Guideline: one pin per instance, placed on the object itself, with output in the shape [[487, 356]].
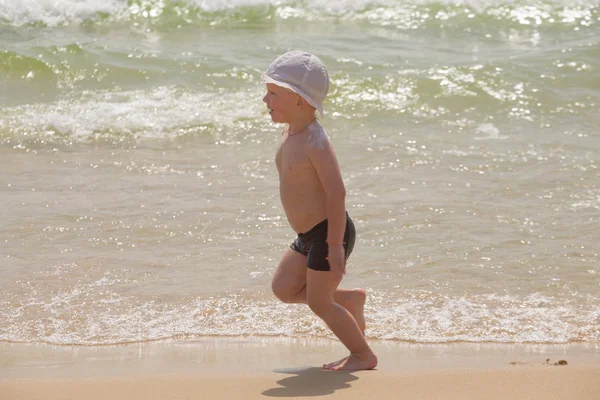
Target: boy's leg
[[289, 279], [289, 285], [320, 289]]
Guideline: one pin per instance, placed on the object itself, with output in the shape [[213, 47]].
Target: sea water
[[139, 196]]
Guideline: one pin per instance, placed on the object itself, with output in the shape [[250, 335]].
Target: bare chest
[[291, 158]]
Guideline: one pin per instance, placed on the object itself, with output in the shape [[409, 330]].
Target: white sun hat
[[302, 73]]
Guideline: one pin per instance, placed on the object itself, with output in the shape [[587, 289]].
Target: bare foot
[[354, 362], [354, 301], [330, 366]]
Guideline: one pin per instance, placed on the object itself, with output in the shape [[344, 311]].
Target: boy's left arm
[[326, 165]]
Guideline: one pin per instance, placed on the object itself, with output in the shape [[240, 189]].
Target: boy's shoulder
[[317, 136]]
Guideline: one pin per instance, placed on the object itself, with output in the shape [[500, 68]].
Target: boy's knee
[[281, 293]]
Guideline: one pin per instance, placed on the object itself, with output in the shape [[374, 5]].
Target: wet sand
[[258, 368]]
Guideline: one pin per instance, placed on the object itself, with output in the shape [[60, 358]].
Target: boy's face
[[282, 103]]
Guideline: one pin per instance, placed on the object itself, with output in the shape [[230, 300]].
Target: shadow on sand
[[310, 381]]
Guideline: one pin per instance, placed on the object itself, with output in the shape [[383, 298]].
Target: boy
[[313, 197]]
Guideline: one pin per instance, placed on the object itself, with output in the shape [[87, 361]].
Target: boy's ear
[[300, 102]]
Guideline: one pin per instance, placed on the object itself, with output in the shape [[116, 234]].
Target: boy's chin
[[276, 118]]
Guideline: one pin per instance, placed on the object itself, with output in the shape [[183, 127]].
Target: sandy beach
[[256, 368], [142, 221]]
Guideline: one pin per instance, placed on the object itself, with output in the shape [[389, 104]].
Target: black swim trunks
[[314, 246]]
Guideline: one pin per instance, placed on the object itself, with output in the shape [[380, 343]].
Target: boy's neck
[[300, 124]]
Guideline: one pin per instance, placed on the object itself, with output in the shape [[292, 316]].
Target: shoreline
[[265, 354], [255, 368]]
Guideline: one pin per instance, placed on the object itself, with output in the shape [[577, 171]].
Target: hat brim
[[267, 79]]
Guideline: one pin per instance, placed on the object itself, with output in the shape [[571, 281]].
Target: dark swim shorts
[[312, 244]]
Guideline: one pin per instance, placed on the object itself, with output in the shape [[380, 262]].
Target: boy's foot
[[353, 363], [354, 301], [334, 364]]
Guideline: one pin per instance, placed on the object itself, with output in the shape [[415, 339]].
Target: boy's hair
[[302, 73]]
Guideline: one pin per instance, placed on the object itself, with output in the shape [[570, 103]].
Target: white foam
[[56, 12], [87, 314], [159, 113], [488, 131], [60, 12]]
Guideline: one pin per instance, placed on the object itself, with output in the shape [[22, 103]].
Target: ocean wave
[[18, 66], [124, 117], [404, 15], [95, 306], [460, 98], [57, 12], [209, 101], [67, 318]]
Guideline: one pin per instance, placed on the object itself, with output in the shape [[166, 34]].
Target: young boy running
[[313, 196]]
